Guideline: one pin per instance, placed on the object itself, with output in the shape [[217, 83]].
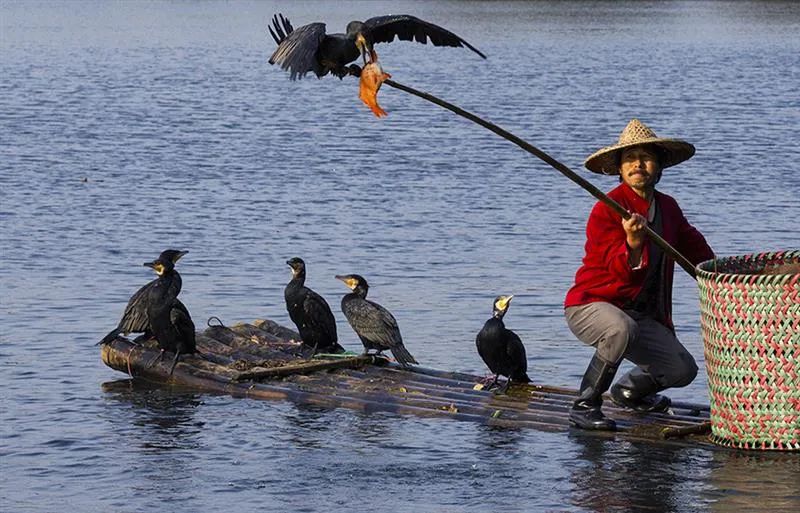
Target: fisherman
[[621, 301]]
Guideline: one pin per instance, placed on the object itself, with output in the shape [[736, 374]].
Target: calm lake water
[[130, 127]]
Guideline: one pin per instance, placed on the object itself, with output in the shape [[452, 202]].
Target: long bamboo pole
[[591, 189]]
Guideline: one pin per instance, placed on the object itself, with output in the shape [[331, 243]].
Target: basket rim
[[787, 253]]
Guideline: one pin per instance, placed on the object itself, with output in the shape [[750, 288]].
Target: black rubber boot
[[585, 412], [637, 390]]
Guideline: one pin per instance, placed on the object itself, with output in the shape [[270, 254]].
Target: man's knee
[[681, 374], [626, 331], [616, 339]]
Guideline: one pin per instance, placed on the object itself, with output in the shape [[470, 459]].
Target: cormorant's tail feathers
[[402, 355], [110, 337], [336, 349], [521, 379]]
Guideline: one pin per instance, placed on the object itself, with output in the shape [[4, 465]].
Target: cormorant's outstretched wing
[[283, 27], [134, 320], [297, 49], [383, 29]]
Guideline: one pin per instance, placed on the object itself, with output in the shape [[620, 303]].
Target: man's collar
[[639, 204]]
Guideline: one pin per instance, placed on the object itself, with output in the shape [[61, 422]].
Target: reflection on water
[[755, 482], [490, 439], [160, 423], [308, 426], [163, 415], [634, 477]]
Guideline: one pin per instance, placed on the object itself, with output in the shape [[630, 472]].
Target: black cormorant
[[309, 48], [168, 319], [501, 348], [134, 320], [310, 312], [373, 324]]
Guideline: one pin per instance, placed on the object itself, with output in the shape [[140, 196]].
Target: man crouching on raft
[[622, 298]]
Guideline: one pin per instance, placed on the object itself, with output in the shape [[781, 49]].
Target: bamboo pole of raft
[[512, 408], [469, 378], [521, 400], [564, 170], [469, 405]]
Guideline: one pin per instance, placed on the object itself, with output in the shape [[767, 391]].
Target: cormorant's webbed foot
[[503, 389], [493, 383]]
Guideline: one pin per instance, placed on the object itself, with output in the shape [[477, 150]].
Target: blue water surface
[[130, 127]]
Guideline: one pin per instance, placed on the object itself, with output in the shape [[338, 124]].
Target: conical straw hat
[[672, 151]]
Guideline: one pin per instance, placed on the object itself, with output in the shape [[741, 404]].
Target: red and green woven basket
[[750, 321]]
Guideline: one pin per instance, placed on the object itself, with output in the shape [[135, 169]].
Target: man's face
[[639, 167]]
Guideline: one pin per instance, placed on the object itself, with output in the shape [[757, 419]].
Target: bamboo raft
[[264, 361]]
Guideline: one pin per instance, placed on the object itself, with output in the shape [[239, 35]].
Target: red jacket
[[606, 275]]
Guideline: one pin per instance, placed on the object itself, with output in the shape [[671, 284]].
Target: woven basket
[[751, 329]]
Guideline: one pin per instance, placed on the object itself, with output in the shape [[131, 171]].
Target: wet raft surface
[[263, 361]]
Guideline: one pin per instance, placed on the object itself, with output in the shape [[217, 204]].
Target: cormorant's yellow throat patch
[[502, 303]]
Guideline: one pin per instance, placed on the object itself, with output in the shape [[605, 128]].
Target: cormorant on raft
[[501, 348], [168, 319], [373, 324], [134, 320], [309, 48], [310, 312]]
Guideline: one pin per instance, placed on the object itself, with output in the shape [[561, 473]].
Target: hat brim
[[672, 151]]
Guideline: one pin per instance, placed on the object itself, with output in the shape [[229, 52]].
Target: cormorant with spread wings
[[309, 48]]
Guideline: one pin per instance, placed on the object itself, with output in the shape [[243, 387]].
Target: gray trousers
[[618, 334]]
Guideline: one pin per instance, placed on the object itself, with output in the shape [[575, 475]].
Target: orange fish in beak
[[372, 76]]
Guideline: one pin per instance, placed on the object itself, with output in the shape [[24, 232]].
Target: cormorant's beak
[[151, 265], [350, 282], [178, 256], [361, 44], [503, 302]]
